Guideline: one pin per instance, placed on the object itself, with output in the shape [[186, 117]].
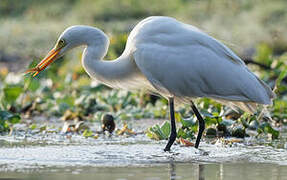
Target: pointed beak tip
[[36, 73], [52, 56]]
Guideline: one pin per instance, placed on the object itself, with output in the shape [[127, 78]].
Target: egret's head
[[72, 37]]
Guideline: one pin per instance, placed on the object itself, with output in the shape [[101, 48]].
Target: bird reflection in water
[[198, 173]]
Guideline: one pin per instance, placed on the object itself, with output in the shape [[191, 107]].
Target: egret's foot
[[170, 141], [166, 149]]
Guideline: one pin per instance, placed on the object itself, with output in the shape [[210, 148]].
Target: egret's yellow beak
[[51, 56]]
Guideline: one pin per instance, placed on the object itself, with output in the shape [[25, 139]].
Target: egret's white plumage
[[173, 59]]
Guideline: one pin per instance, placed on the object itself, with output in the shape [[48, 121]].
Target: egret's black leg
[[172, 135], [200, 122]]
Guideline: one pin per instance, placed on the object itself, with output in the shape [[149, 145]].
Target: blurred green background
[[255, 30], [29, 28]]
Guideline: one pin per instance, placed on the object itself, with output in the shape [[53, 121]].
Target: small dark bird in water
[[108, 123]]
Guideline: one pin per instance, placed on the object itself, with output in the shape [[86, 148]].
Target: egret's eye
[[61, 43]]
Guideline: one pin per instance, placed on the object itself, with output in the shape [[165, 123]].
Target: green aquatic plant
[[7, 120]]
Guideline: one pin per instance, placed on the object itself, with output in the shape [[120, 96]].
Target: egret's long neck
[[115, 73]]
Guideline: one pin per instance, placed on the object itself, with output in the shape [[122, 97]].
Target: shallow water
[[61, 156], [137, 157], [171, 170]]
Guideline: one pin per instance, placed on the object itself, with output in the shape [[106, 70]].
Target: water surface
[[70, 156]]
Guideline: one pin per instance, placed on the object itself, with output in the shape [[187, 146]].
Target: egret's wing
[[180, 60]]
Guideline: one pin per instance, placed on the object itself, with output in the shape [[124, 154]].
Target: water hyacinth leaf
[[244, 122], [138, 115], [14, 119], [69, 100], [215, 114], [33, 126], [12, 92], [151, 134], [4, 126], [188, 122], [157, 113], [194, 128], [165, 128], [159, 131], [7, 116], [87, 133], [155, 132], [180, 133], [65, 103], [267, 128], [218, 108], [177, 117], [210, 121], [184, 133], [31, 83], [282, 75], [124, 116]]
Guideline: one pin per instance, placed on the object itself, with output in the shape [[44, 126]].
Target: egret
[[175, 60]]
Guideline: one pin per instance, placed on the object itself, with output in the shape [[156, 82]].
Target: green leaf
[[14, 119], [6, 119], [180, 133], [156, 133], [159, 132], [267, 128], [177, 117], [184, 133], [7, 116], [69, 100], [4, 126], [151, 135], [31, 83], [210, 121], [281, 76], [165, 128], [33, 126], [87, 133], [12, 92], [188, 122], [124, 116]]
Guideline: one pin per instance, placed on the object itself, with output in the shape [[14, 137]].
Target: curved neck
[[118, 73]]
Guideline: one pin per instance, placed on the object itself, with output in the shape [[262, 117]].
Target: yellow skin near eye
[[61, 44]]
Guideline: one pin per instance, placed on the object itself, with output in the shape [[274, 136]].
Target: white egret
[[168, 57]]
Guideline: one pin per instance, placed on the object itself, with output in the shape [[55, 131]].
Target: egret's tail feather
[[270, 93], [249, 107]]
